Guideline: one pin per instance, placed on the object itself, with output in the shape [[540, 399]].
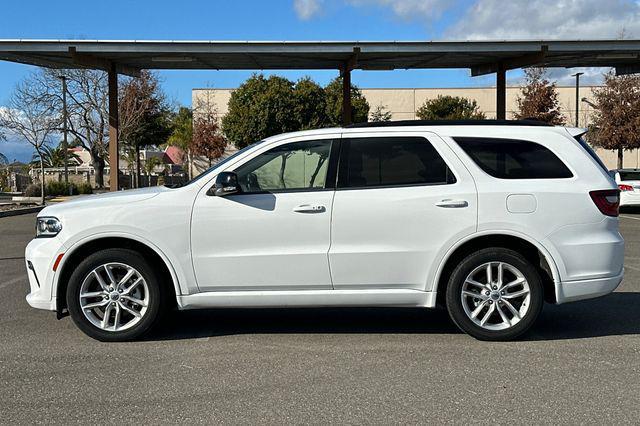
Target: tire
[[140, 293], [507, 308]]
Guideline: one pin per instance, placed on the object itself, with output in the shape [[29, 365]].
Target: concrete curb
[[17, 212]]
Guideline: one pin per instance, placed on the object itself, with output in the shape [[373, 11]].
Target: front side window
[[293, 166], [513, 158], [392, 161]]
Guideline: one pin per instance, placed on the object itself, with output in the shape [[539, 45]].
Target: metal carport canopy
[[481, 57]]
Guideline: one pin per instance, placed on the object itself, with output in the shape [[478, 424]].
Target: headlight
[[47, 227]]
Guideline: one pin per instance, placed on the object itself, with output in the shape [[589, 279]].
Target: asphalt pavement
[[580, 364]]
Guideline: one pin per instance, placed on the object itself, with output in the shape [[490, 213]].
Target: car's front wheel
[[495, 294], [114, 295]]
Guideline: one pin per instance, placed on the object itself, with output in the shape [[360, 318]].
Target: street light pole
[[65, 144], [577, 76]]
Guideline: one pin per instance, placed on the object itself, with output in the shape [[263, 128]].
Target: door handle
[[452, 204], [310, 208]]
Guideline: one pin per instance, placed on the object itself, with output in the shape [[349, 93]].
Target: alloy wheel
[[114, 297], [496, 296]]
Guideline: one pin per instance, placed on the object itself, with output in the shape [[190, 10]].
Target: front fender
[[177, 274]]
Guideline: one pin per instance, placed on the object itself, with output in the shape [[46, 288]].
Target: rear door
[[402, 199]]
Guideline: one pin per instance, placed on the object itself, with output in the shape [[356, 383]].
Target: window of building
[[513, 159], [293, 166], [392, 161]]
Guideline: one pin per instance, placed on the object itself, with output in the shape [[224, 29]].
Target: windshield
[[629, 175], [218, 164]]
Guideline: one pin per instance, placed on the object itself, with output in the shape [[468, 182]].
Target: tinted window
[[629, 175], [293, 166], [514, 159], [393, 161]]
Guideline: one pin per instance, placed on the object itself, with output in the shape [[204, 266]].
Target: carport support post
[[501, 93], [113, 128], [346, 96]]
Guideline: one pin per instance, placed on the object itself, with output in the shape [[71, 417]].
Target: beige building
[[403, 104]]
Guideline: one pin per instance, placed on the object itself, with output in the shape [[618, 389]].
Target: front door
[[402, 199], [275, 233]]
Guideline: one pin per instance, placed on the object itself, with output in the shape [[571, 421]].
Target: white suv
[[488, 218]]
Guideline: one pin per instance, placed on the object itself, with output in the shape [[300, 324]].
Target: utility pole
[[577, 76], [65, 143]]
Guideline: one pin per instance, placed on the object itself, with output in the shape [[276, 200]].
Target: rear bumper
[[571, 291], [629, 198]]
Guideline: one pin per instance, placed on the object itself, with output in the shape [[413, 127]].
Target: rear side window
[[513, 158], [391, 161]]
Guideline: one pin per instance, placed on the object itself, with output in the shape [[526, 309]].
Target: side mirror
[[226, 184]]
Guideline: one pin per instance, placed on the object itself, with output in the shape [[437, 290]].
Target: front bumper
[[40, 256], [571, 291]]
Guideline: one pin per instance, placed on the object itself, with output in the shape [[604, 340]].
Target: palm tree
[[182, 135], [54, 157], [150, 164]]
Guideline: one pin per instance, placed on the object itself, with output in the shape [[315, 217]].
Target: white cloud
[[564, 77], [307, 9], [427, 10], [547, 19]]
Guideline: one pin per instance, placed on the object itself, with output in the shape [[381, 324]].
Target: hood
[[108, 199]]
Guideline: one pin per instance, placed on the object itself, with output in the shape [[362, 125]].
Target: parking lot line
[[630, 217]]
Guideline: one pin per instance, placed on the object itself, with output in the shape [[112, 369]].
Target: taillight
[[607, 201], [625, 188]]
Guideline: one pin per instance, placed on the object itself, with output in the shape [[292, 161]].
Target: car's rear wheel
[[114, 295], [495, 294]]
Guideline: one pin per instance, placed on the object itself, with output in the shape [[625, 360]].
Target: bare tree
[[31, 119], [616, 118], [208, 140], [539, 98], [143, 115], [87, 106]]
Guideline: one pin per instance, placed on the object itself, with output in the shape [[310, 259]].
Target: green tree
[[359, 105], [259, 108], [539, 99], [450, 108], [182, 134], [380, 114], [309, 104], [616, 118], [149, 166]]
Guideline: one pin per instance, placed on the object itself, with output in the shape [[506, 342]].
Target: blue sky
[[218, 20], [309, 20]]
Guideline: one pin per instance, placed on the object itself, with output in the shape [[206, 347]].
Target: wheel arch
[[83, 248], [524, 245]]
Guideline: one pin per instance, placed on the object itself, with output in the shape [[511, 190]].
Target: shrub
[[85, 188], [32, 190], [54, 188]]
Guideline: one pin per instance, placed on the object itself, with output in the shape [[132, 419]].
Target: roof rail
[[448, 123]]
